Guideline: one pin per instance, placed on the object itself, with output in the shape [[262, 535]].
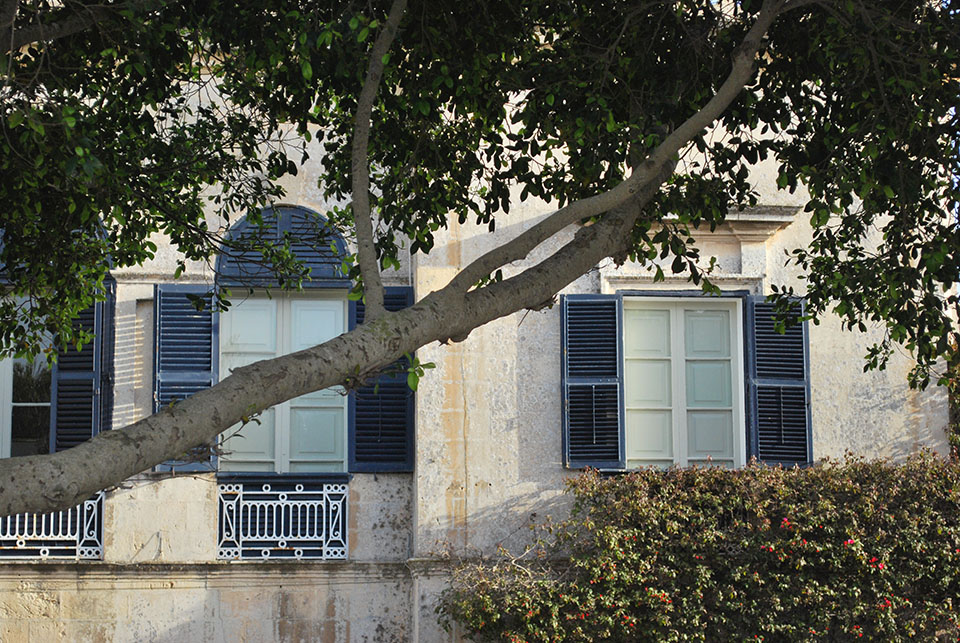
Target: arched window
[[308, 433], [305, 234], [327, 431]]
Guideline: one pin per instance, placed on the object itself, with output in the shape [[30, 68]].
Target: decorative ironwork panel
[[282, 520], [72, 534]]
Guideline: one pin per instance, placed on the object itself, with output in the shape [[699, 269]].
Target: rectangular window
[[305, 434], [683, 382], [24, 407], [44, 409]]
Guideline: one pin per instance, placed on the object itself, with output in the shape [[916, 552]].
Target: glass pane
[[30, 430], [708, 384], [726, 464], [31, 382], [315, 467], [315, 322], [710, 433], [250, 326], [647, 383], [649, 434], [252, 443], [647, 333], [240, 465], [316, 434], [707, 333]]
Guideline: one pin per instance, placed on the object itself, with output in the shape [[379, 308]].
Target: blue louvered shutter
[[318, 247], [382, 412], [778, 389], [186, 350], [592, 381], [80, 389]]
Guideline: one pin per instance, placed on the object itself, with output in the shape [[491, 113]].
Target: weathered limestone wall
[[488, 460], [873, 414], [489, 429], [235, 603]]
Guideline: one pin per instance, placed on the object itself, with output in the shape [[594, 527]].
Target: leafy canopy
[[157, 116]]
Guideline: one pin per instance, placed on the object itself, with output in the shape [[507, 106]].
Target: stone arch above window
[[310, 238]]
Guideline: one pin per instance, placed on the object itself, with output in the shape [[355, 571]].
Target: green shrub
[[840, 551]]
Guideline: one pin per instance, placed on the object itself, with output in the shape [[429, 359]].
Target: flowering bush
[[840, 551]]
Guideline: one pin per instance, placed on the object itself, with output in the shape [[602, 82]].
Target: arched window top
[[311, 240]]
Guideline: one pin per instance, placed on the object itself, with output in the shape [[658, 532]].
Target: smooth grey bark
[[85, 17], [360, 166], [50, 482]]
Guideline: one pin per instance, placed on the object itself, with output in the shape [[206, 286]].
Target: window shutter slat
[[79, 394], [318, 248], [186, 352], [592, 381], [382, 412], [778, 389]]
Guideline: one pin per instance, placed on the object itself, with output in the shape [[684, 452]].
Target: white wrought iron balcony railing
[[71, 534], [282, 518]]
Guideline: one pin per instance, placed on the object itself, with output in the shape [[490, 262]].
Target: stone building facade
[[489, 453]]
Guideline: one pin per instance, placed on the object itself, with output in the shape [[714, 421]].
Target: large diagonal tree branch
[[360, 165], [48, 482], [524, 243], [39, 32], [83, 18]]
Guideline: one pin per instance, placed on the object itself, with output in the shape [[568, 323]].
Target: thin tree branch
[[85, 17], [519, 247], [8, 16], [8, 13], [46, 32], [360, 166]]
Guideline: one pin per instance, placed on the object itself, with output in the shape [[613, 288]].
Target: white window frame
[[678, 374], [283, 341], [6, 406]]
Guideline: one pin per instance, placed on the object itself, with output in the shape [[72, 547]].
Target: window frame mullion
[[678, 364]]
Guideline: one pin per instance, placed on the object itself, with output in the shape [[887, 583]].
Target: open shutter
[[381, 413], [778, 389], [107, 339], [80, 394], [186, 351], [592, 381]]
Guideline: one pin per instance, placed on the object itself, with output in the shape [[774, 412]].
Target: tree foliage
[[156, 114], [122, 121]]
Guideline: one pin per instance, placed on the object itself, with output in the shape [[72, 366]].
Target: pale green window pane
[[659, 464], [647, 333], [708, 384], [230, 362], [250, 326], [726, 464], [647, 383], [649, 434], [316, 434], [333, 396], [316, 467], [710, 433], [252, 443], [240, 465], [314, 322], [707, 333]]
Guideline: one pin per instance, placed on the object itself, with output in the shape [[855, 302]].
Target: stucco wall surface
[[488, 457], [489, 417], [227, 603]]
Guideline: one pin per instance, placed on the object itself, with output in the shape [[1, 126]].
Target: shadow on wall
[[879, 417], [510, 525]]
